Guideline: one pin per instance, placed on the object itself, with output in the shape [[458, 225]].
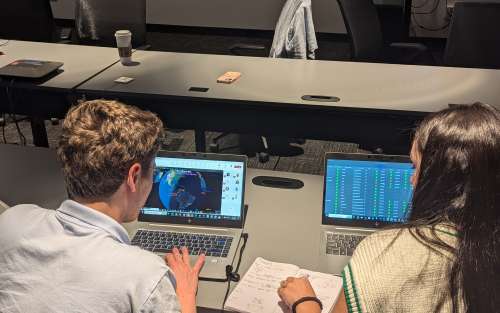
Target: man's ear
[[134, 173]]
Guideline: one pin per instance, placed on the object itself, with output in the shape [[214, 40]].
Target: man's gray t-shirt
[[76, 259]]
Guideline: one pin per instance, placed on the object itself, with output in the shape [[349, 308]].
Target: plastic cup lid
[[123, 33]]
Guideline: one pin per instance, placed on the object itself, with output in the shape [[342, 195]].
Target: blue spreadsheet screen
[[368, 190]]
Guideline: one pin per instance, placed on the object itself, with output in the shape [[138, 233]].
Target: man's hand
[[186, 277], [293, 289]]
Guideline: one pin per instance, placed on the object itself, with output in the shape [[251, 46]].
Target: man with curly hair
[[78, 258]]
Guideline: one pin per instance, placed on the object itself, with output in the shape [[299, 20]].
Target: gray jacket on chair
[[294, 36]]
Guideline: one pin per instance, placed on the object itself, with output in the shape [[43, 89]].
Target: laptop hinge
[[195, 228], [355, 229]]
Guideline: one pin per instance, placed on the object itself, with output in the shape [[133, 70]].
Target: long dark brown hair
[[459, 184]]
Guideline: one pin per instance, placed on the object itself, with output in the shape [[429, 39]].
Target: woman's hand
[[186, 277], [293, 289]]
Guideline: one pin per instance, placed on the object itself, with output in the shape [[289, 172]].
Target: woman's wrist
[[308, 304], [308, 307]]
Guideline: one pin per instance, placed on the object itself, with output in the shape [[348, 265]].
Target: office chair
[[29, 20], [367, 44], [474, 38], [260, 145], [247, 144], [97, 21]]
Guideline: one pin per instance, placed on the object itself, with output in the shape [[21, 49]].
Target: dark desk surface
[[283, 81]]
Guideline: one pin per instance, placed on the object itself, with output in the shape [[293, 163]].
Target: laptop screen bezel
[[198, 221], [357, 157]]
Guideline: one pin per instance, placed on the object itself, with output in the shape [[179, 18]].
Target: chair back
[[27, 20], [363, 26], [474, 37], [3, 206], [98, 20]]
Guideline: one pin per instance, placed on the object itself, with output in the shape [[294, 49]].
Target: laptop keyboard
[[164, 241], [342, 244]]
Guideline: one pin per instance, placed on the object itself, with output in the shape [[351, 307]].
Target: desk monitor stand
[[277, 182]]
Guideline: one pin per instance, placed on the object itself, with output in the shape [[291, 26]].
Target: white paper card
[[123, 80]]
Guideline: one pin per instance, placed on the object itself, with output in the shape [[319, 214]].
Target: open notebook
[[257, 291]]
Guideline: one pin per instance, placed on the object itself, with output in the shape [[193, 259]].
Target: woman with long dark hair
[[447, 257]]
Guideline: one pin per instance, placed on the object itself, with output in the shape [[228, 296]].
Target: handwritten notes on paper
[[257, 291]]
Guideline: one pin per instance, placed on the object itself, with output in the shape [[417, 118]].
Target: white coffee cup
[[124, 44]]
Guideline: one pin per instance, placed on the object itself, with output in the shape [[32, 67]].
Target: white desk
[[80, 62], [283, 226], [379, 103], [360, 86], [50, 97]]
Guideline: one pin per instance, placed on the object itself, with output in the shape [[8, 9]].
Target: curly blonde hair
[[100, 141]]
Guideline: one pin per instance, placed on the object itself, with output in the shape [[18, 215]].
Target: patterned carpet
[[311, 162]]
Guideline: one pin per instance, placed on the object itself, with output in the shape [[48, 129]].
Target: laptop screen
[[196, 190], [377, 190]]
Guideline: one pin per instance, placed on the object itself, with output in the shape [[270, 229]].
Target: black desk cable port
[[319, 98], [277, 182], [198, 89]]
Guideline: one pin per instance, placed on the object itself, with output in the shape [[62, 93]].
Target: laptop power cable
[[234, 276], [230, 274], [11, 102]]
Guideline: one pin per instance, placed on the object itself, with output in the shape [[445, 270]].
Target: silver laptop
[[361, 193], [197, 201]]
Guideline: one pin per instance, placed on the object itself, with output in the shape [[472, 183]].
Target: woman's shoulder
[[410, 262], [439, 239]]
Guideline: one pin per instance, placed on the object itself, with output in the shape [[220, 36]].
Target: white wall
[[247, 14], [244, 14]]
